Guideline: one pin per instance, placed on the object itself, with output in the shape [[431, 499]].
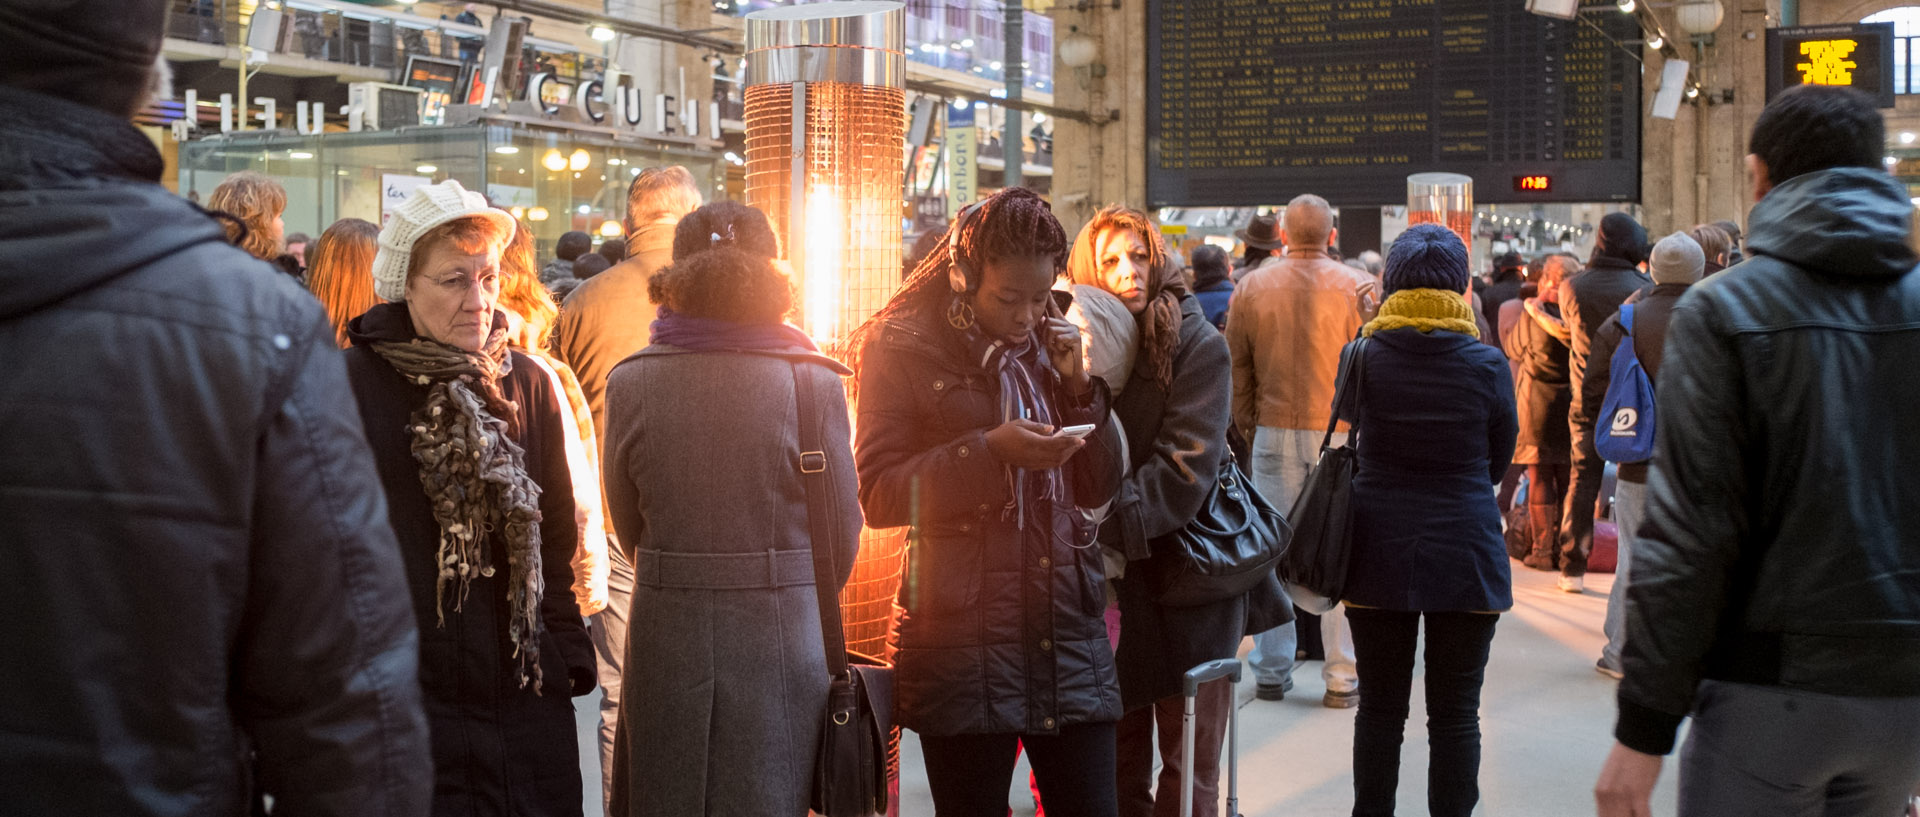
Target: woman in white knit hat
[[471, 449]]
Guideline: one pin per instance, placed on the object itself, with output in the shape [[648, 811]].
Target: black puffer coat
[[1001, 630], [1177, 439], [197, 556], [498, 749]]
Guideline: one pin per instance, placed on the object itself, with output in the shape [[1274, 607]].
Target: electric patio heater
[[1445, 199], [826, 159]]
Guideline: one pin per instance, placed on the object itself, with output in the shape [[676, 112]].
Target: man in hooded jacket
[[1776, 581], [204, 603], [1588, 299]]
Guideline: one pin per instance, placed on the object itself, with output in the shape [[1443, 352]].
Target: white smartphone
[[1075, 431]]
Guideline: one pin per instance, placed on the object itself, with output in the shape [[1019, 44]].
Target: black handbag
[[1229, 548], [1323, 514], [850, 771]]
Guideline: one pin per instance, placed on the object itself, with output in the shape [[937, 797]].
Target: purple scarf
[[710, 335]]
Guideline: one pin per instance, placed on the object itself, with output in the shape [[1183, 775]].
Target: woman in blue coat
[[1435, 415]]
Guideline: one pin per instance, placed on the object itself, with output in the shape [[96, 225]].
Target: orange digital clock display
[[1532, 184]]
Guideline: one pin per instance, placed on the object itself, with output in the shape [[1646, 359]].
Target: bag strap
[[1626, 318], [821, 520], [1353, 361]]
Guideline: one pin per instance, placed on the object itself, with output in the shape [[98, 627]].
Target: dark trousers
[[1546, 490], [1509, 485], [1138, 796], [970, 774], [1583, 501], [1456, 659]]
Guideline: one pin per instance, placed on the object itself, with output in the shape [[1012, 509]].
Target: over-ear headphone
[[960, 276]]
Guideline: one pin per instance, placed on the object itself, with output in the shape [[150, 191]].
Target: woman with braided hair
[[970, 384], [471, 448]]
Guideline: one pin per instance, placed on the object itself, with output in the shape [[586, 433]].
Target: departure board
[[1252, 102]]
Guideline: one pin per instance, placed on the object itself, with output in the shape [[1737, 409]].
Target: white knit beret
[[427, 207]]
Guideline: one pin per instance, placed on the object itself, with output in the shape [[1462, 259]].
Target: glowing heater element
[[826, 160]]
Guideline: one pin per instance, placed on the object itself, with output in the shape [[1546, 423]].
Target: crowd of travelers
[[345, 525]]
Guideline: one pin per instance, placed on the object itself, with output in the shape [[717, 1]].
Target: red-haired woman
[[970, 384]]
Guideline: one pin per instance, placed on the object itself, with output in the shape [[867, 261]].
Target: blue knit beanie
[[1426, 256]]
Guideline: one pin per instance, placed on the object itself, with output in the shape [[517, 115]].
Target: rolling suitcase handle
[[1190, 689]]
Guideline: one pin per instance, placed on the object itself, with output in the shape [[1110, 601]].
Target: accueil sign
[[627, 107], [590, 103]]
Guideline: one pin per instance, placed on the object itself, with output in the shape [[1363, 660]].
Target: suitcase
[[1190, 690]]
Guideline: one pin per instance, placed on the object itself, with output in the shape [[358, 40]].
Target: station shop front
[[555, 178]]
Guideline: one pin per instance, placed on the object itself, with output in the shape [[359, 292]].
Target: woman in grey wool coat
[[722, 714]]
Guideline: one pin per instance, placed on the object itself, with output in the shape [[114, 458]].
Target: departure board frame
[[1251, 102]]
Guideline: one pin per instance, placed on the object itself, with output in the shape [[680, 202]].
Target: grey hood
[[1848, 221], [78, 203]]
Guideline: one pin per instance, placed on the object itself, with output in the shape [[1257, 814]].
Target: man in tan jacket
[[1289, 319]]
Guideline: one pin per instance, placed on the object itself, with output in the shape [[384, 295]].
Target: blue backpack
[[1626, 415]]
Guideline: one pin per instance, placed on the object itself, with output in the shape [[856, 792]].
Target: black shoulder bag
[[850, 771], [1230, 547], [1323, 514]]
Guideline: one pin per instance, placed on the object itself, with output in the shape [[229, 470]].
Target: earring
[[960, 314]]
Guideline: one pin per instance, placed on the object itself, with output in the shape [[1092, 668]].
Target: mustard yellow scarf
[[1425, 310]]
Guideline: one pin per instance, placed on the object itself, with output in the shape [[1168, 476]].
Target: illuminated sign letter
[[585, 96], [1827, 62], [537, 92]]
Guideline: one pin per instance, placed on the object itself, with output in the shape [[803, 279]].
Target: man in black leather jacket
[[1776, 586], [202, 602]]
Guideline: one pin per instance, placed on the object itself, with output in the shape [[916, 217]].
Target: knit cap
[[427, 207], [1677, 259], [1426, 256]]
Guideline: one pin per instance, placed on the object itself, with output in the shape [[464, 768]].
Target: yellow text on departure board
[[1827, 62]]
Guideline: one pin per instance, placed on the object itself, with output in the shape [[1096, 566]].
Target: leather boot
[[1545, 522]]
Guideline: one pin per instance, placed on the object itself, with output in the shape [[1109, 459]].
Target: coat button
[[966, 528], [1046, 643], [963, 451], [939, 384], [1045, 562], [1048, 723]]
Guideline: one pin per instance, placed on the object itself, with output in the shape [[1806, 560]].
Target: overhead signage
[[1853, 55], [963, 159], [437, 79], [1253, 103]]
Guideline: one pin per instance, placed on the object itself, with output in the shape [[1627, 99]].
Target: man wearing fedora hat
[[1290, 316], [1262, 237]]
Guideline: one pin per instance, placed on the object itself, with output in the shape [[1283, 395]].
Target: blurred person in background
[[1587, 300], [589, 265], [1539, 344], [1174, 411], [1508, 275], [572, 245], [1734, 250], [205, 605], [531, 314], [471, 446], [1715, 245], [722, 715], [602, 321], [341, 275], [1263, 241], [255, 204], [1435, 417], [1675, 263], [1212, 283], [613, 249], [297, 248]]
